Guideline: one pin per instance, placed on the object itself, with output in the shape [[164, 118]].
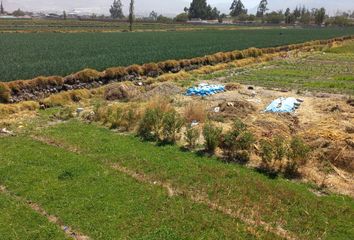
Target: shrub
[[86, 75], [237, 142], [5, 93], [192, 136], [65, 114], [115, 73], [212, 137], [65, 98], [135, 70], [150, 125], [121, 91], [124, 117], [169, 65], [171, 126], [195, 111], [280, 148], [151, 69], [297, 156], [266, 153]]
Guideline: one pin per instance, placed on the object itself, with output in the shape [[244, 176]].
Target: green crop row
[[25, 56], [38, 84]]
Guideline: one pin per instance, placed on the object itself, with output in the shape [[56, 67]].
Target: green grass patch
[[62, 54], [276, 201], [103, 203], [18, 221]]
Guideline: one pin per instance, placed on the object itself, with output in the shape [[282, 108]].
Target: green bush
[[297, 156], [150, 125], [266, 153], [212, 137], [172, 124], [237, 142], [191, 136]]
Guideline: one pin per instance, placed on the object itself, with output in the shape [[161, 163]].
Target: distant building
[[52, 16]]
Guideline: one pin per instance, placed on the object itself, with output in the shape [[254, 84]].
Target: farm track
[[69, 231], [199, 198]]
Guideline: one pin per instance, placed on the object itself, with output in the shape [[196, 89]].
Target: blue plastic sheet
[[283, 105], [205, 90]]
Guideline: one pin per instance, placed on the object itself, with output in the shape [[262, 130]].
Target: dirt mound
[[235, 109], [163, 89], [121, 91]]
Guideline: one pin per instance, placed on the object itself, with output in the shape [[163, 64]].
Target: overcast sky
[[167, 7]]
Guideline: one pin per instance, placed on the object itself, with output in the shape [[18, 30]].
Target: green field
[[89, 195], [24, 56], [330, 71]]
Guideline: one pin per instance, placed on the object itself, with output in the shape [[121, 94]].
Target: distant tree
[[274, 17], [153, 16], [305, 16], [163, 19], [64, 15], [198, 9], [116, 10], [262, 8], [287, 15], [186, 10], [297, 13], [18, 13], [214, 14], [131, 15], [2, 10], [237, 8], [182, 17], [320, 16]]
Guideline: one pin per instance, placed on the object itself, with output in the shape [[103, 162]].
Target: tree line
[[200, 9]]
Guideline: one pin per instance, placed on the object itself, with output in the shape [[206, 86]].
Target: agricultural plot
[[330, 71], [24, 56]]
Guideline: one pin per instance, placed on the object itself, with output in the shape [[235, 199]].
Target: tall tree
[[116, 10], [2, 11], [198, 9], [237, 8], [64, 15], [262, 8], [153, 16], [287, 15], [320, 15], [131, 15]]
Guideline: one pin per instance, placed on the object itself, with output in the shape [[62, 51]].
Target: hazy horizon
[[143, 7]]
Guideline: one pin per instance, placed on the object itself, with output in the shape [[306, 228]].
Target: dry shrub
[[185, 63], [122, 116], [7, 109], [168, 65], [232, 86], [195, 111], [252, 52], [182, 75], [5, 93], [197, 61], [86, 75], [115, 73], [65, 98], [121, 91], [151, 69], [211, 69], [135, 70]]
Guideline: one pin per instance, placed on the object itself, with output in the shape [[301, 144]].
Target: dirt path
[[69, 231]]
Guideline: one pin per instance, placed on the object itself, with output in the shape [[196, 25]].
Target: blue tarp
[[283, 105], [205, 89]]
